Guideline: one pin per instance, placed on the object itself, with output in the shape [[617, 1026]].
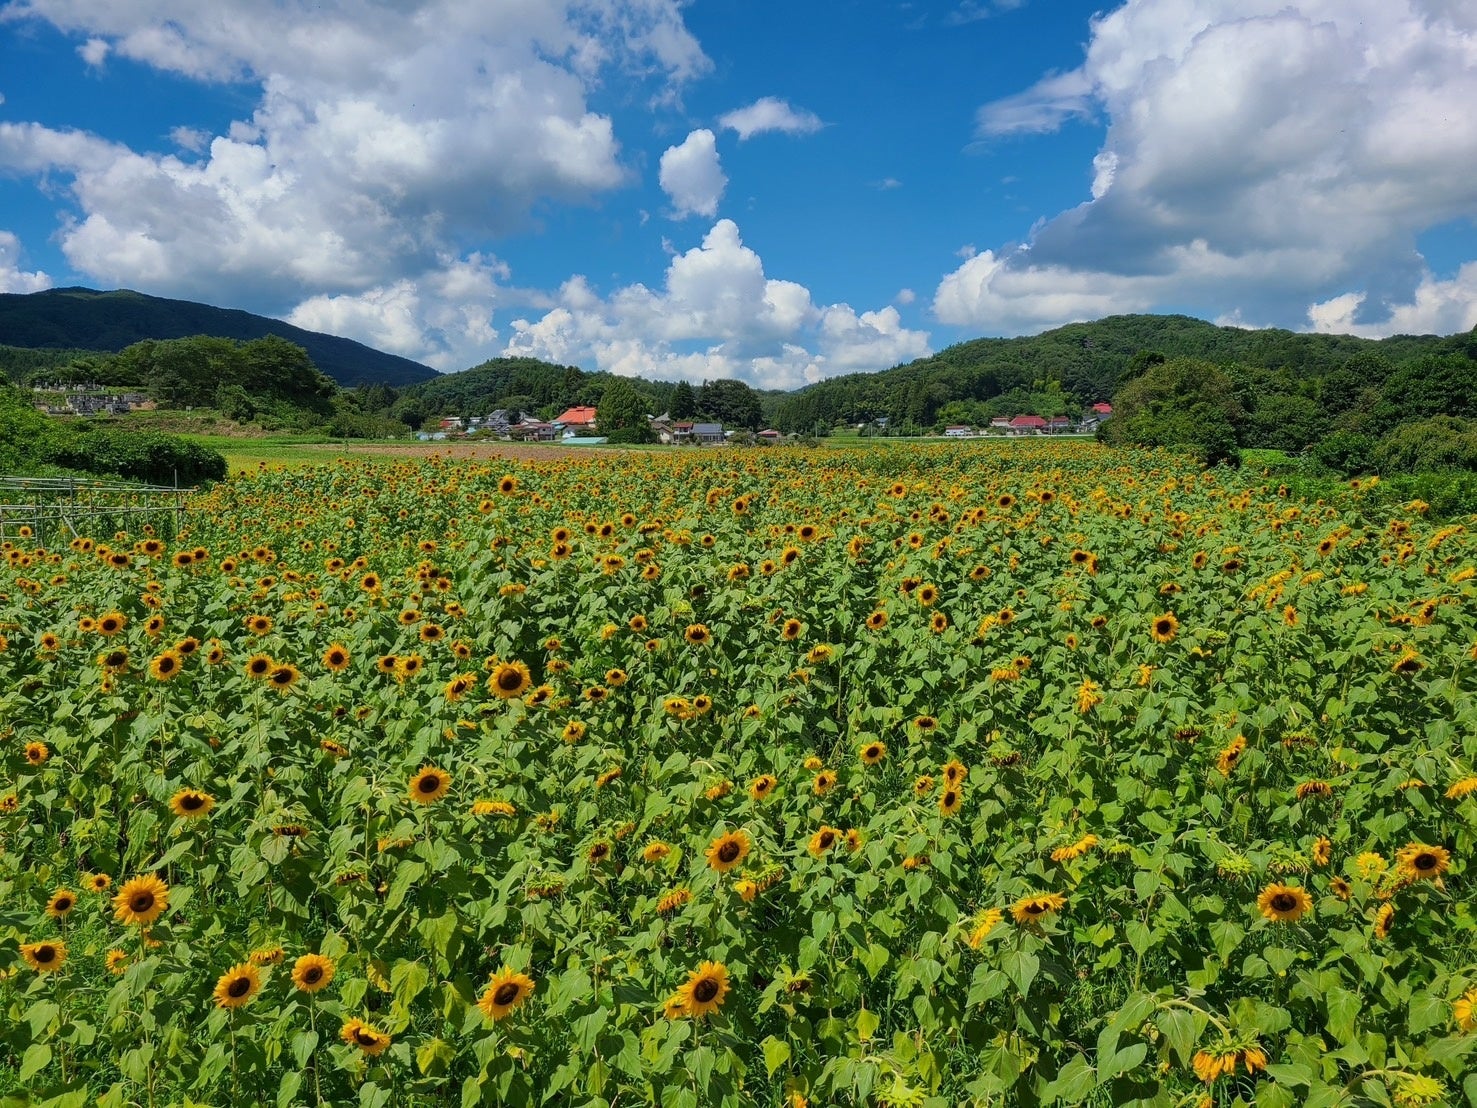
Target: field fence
[[48, 511]]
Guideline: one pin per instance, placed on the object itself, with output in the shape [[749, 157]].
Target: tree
[[621, 415], [731, 403], [684, 402], [1182, 403]]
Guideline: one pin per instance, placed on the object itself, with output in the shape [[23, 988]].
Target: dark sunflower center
[[872, 752], [506, 993], [1426, 861], [1162, 626], [705, 990], [365, 1038], [1035, 908], [46, 953], [191, 802], [826, 839], [141, 902], [166, 664], [728, 852], [63, 903], [1284, 902], [312, 975], [950, 798], [239, 988], [429, 783], [509, 680]]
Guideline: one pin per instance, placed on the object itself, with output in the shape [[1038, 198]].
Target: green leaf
[[434, 1055], [873, 959], [303, 1045], [776, 1054], [1074, 1082], [1021, 967], [288, 1088], [867, 1022], [1343, 1008], [37, 1058], [1181, 1029], [1426, 1012]]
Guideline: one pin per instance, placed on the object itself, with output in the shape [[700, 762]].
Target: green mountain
[[1082, 363], [85, 319]]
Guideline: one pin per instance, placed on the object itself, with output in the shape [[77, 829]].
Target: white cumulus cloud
[[769, 113], [717, 315], [692, 176], [1261, 156], [12, 277], [385, 139]]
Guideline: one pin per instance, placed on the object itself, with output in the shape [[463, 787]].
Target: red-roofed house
[[1027, 425], [579, 420], [1102, 408]]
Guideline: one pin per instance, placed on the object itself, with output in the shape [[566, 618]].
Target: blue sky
[[779, 192]]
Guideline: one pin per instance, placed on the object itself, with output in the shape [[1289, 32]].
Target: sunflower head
[[505, 991], [429, 785], [728, 850], [705, 989], [1283, 903], [312, 973], [141, 900], [238, 986]]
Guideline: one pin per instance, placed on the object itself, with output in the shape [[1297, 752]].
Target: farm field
[[933, 775]]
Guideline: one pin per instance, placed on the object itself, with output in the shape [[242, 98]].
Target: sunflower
[[705, 989], [110, 623], [1314, 789], [509, 680], [1419, 862], [982, 925], [1322, 850], [507, 485], [99, 882], [312, 973], [573, 731], [238, 986], [141, 900], [191, 804], [728, 850], [698, 634], [1465, 787], [790, 629], [45, 957], [370, 1040], [116, 961], [259, 665], [1165, 627], [655, 851], [938, 623], [950, 801], [37, 753], [61, 903], [283, 676], [873, 753], [336, 658], [1384, 921], [429, 785], [258, 625], [506, 990], [1464, 1010], [762, 785], [824, 782], [877, 620], [955, 772], [823, 840], [1033, 909], [1283, 903]]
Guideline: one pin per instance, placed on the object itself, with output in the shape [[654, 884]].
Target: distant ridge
[[86, 319]]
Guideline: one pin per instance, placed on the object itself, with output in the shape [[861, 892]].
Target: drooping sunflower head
[[1034, 909], [191, 804]]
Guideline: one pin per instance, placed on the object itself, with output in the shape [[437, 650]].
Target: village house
[[1027, 425], [577, 421], [958, 431]]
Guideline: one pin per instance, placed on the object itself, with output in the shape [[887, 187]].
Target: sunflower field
[[970, 774]]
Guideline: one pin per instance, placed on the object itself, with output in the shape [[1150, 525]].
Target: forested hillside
[[1063, 369], [85, 319]]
